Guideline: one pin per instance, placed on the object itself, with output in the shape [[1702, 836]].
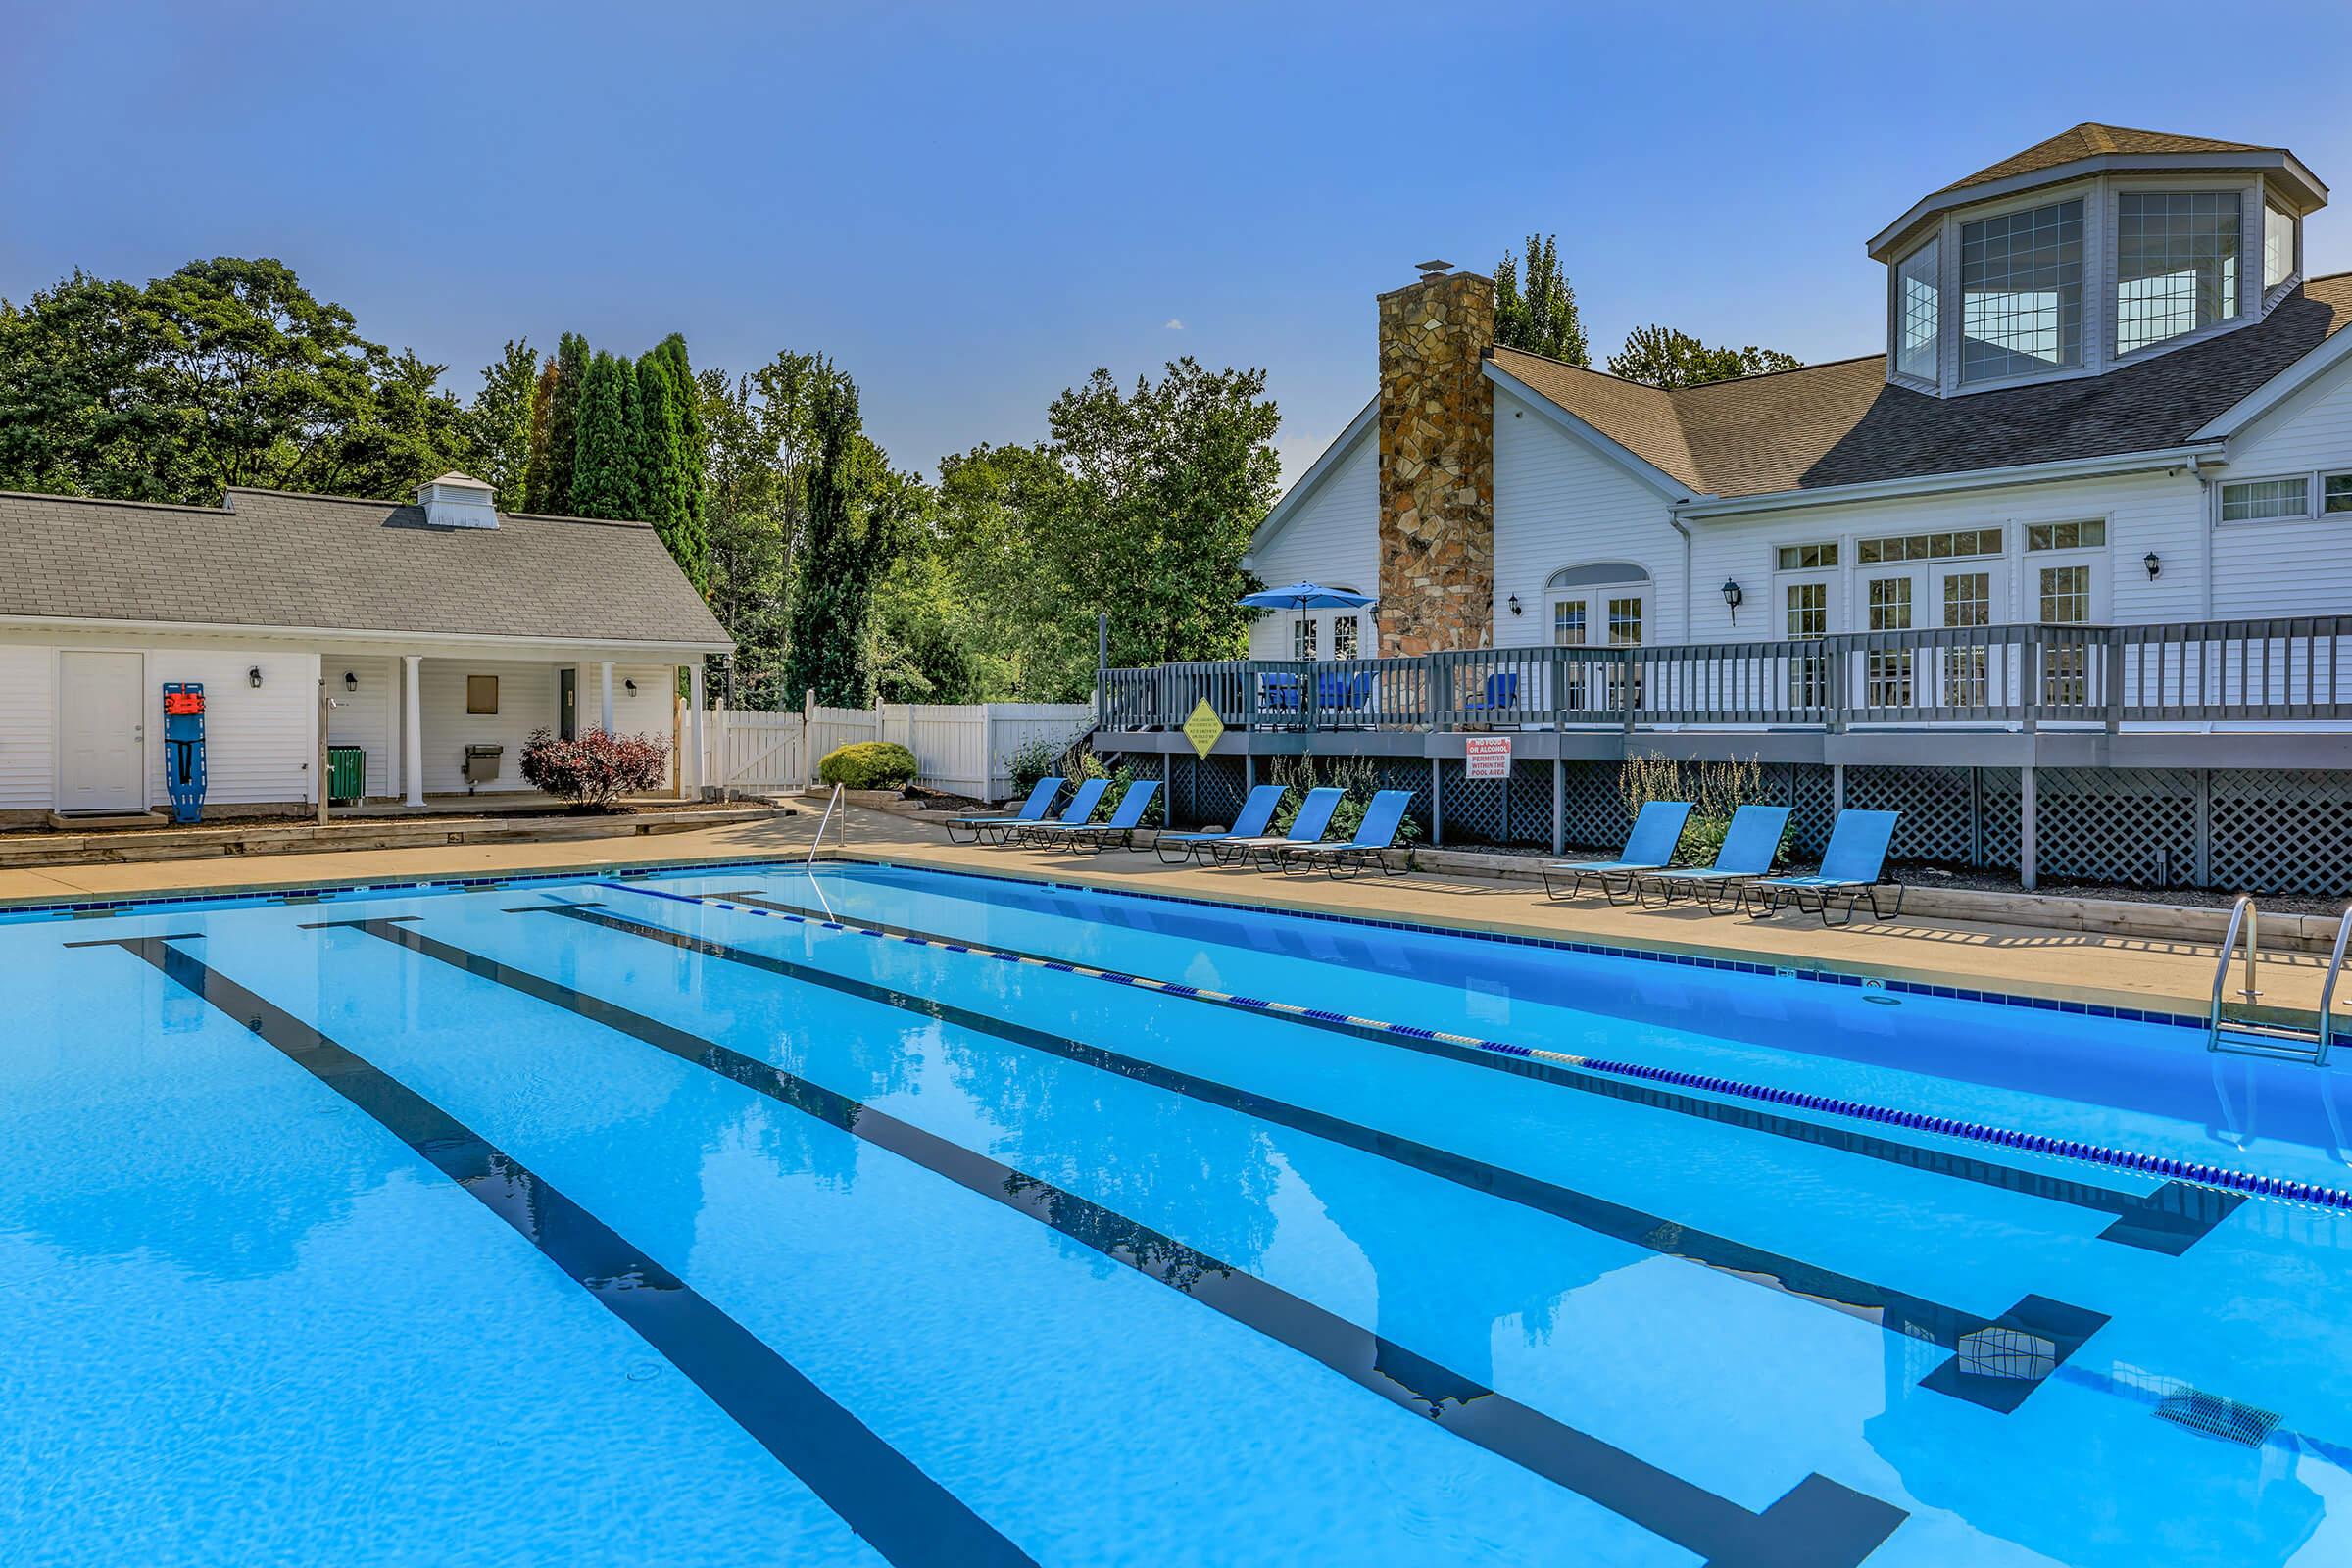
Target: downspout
[[2206, 521], [1673, 516]]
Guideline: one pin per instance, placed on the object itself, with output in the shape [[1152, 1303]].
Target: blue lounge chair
[[1256, 811], [1314, 815], [1502, 691], [1852, 868], [1650, 846], [1749, 847], [1079, 813], [1377, 832], [1033, 809], [1096, 836]]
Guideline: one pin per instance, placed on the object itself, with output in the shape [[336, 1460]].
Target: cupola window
[[2021, 293], [1918, 296], [2175, 264], [2278, 246]]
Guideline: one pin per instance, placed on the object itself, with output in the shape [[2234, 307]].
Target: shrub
[[1715, 790], [595, 769], [1354, 774], [1154, 815], [1038, 758], [869, 765]]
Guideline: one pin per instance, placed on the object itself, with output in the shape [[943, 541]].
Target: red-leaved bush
[[596, 770]]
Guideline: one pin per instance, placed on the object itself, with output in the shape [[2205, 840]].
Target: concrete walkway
[[2118, 970]]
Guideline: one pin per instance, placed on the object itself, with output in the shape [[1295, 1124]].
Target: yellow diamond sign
[[1204, 727]]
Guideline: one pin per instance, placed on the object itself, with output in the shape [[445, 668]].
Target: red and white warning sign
[[1486, 757]]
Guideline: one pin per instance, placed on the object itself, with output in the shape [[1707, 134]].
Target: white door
[[102, 732]]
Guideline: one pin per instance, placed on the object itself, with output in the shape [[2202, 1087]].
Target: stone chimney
[[1437, 464]]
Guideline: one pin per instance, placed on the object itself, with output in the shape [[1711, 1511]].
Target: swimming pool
[[885, 1215]]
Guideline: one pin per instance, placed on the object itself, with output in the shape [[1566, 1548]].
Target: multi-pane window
[[2264, 500], [1807, 605], [1625, 622], [1966, 602], [2088, 534], [2335, 493], [2175, 264], [1346, 637], [1568, 623], [2064, 602], [1889, 670], [1302, 638], [2278, 246], [1918, 298], [2021, 293], [1808, 558], [1929, 546]]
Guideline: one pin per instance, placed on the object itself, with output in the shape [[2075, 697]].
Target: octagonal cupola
[[2094, 249]]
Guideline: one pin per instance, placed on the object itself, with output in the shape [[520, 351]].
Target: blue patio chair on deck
[[1278, 692], [1650, 846], [1749, 844], [1033, 809], [1080, 812], [1256, 811], [1314, 815], [1852, 868], [1096, 836], [1377, 832], [1502, 691]]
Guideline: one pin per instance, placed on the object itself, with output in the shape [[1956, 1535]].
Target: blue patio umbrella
[[1305, 596]]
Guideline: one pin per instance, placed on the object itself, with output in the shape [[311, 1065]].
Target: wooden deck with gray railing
[[2291, 671]]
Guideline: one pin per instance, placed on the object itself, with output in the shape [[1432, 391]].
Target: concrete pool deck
[[2144, 972]]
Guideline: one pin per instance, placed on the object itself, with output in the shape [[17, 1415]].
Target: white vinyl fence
[[962, 748]]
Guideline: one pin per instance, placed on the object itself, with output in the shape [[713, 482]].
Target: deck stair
[[2252, 1035]]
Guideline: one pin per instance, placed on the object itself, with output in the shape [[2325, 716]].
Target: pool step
[[2268, 1037]]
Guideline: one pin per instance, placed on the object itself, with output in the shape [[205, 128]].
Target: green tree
[[605, 465], [1542, 318], [541, 456], [671, 453], [549, 490], [1165, 486], [1660, 355], [411, 431], [1033, 638], [83, 411], [858, 512], [501, 419]]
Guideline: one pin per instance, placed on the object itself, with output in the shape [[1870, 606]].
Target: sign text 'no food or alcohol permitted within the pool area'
[[1486, 757]]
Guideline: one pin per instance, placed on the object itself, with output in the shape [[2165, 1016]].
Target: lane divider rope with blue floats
[[2218, 1177]]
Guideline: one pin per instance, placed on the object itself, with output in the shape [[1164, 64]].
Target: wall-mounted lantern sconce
[[2155, 564], [351, 682], [1733, 595], [1515, 604], [253, 678], [630, 684]]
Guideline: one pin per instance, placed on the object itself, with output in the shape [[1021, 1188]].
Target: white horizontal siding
[[1334, 539], [257, 740], [27, 728], [526, 701], [2290, 569], [368, 717], [1558, 503]]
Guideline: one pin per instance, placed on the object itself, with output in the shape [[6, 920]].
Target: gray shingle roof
[[268, 558], [1842, 423]]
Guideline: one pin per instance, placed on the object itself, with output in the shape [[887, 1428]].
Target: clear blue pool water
[[648, 1220]]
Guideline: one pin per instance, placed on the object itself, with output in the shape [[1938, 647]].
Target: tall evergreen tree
[[671, 456], [540, 466], [501, 417], [855, 506], [554, 495], [606, 463], [1542, 318]]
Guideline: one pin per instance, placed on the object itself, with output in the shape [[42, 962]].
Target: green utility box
[[346, 774]]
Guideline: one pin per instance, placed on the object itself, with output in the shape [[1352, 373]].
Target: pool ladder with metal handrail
[[822, 824], [2261, 1036]]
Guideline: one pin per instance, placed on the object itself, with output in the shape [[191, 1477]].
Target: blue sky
[[971, 206]]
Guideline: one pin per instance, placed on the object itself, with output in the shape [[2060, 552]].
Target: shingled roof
[[1842, 423], [2090, 139], [272, 559]]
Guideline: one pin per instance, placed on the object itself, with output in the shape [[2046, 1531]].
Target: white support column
[[412, 729], [604, 705], [694, 721]]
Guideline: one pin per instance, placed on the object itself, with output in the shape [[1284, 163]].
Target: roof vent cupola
[[458, 501]]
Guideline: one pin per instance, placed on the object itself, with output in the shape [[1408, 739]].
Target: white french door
[[1599, 618], [1964, 595]]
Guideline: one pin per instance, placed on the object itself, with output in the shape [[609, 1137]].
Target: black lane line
[[907, 1516], [2170, 1219], [2043, 1332], [1819, 1521]]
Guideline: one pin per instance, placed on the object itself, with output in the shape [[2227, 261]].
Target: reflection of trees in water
[[1158, 1157], [1106, 1230]]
